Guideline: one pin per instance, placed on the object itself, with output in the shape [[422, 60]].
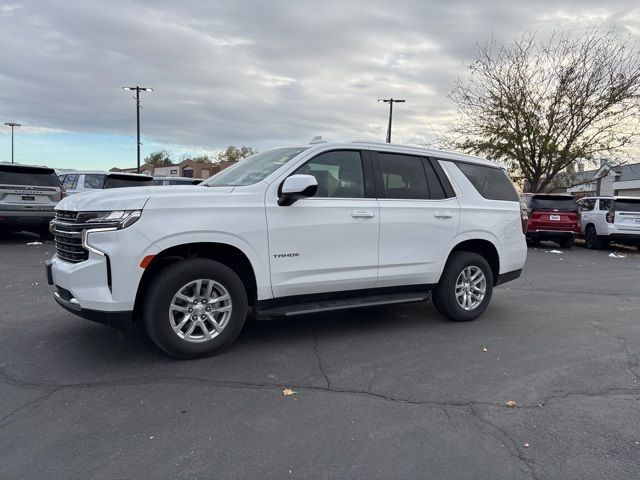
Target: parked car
[[551, 217], [176, 181], [610, 219], [28, 195], [77, 182], [287, 232]]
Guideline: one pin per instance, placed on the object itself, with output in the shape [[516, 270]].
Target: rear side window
[[36, 177], [403, 176], [626, 205], [553, 202], [605, 205], [93, 181], [492, 183], [587, 205], [119, 181]]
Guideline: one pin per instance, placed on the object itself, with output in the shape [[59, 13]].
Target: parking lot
[[392, 392]]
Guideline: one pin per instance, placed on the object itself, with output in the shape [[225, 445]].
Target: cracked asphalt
[[391, 392]]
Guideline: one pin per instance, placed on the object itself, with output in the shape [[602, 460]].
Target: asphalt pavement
[[390, 392]]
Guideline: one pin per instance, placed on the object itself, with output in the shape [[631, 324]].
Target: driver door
[[328, 242]]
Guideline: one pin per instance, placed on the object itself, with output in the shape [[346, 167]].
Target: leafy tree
[[158, 159], [540, 106], [233, 154]]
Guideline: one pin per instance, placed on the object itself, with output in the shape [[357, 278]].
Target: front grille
[[68, 237]]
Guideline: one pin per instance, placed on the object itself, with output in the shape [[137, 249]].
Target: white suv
[[610, 219], [287, 232]]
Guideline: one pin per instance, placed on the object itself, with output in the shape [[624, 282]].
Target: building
[[186, 168], [609, 179]]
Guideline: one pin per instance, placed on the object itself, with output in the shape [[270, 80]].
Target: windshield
[[253, 169]]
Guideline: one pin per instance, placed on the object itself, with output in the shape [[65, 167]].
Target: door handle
[[442, 215], [362, 214]]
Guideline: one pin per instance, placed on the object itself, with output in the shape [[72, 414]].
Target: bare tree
[[233, 154], [542, 105]]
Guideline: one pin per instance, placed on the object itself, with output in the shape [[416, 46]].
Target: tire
[[181, 278], [444, 295], [591, 239], [566, 243]]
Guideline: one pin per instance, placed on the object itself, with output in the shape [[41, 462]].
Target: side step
[[343, 304]]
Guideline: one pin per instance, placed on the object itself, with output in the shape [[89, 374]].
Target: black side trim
[[120, 320], [342, 295], [47, 266], [442, 177], [508, 276]]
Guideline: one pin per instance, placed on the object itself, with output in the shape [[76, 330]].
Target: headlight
[[116, 218]]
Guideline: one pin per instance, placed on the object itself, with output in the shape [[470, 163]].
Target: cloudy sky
[[261, 73]]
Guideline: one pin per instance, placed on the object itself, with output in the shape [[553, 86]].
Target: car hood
[[129, 198]]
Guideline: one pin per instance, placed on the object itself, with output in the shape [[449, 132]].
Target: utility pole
[[138, 89], [390, 101], [12, 125]]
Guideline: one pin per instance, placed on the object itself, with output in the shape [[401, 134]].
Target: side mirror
[[296, 187]]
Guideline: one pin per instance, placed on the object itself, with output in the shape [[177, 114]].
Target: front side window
[[403, 176], [70, 181], [93, 181], [254, 168], [586, 205], [339, 174]]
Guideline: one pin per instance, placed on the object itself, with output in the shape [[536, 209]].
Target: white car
[[610, 219], [286, 232], [78, 182]]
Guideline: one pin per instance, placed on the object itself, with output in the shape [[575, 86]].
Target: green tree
[[540, 106], [233, 154], [158, 159]]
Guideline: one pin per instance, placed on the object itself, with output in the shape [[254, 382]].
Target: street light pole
[[390, 101], [12, 125], [137, 98]]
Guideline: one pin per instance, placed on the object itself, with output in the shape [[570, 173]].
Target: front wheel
[[465, 289], [195, 308]]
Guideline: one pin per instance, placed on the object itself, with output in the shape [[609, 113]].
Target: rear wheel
[[566, 242], [465, 289], [195, 308], [591, 239]]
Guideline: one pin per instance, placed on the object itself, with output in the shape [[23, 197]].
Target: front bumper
[[64, 298]]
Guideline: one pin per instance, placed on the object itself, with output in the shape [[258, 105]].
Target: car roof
[[22, 165], [175, 178]]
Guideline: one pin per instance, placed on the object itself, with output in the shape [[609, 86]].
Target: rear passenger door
[[419, 217]]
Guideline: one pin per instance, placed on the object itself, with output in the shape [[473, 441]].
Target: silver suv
[[28, 195]]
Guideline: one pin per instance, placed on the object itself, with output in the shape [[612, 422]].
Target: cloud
[[258, 73]]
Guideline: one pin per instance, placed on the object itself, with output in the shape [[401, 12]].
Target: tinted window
[[94, 181], [492, 183], [119, 181], [40, 177], [605, 204], [553, 202], [627, 205], [436, 191], [403, 176], [339, 174]]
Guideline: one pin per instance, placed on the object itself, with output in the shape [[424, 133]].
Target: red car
[[552, 217]]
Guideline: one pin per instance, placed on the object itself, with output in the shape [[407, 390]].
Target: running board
[[344, 304]]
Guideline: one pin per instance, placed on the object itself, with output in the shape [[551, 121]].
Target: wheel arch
[[224, 253], [482, 247]]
